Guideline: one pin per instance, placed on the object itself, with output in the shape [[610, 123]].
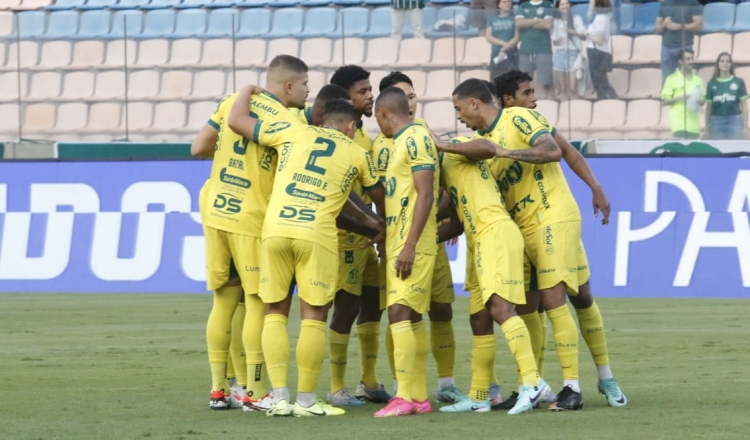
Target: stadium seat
[[283, 3], [439, 84], [71, 116], [32, 4], [741, 48], [317, 79], [645, 83], [190, 23], [9, 120], [158, 24], [286, 23], [78, 85], [314, 3], [38, 118], [55, 55], [607, 114], [9, 4], [9, 87], [320, 22], [104, 116], [130, 4], [29, 51], [7, 24], [61, 5], [152, 53], [126, 22], [646, 50], [254, 23], [612, 135], [348, 51], [414, 52], [347, 2], [448, 13], [220, 23], [581, 10], [479, 53], [31, 24], [742, 18], [282, 46], [380, 23], [185, 53], [317, 51], [381, 52], [711, 45], [190, 4], [622, 48], [706, 73], [240, 79], [376, 76], [643, 115], [620, 80], [718, 17], [177, 85], [644, 19], [574, 114], [140, 116], [207, 84], [161, 4], [98, 4], [482, 74], [110, 85], [418, 79], [216, 53], [169, 116], [252, 3], [250, 53], [94, 25], [115, 53], [548, 109], [429, 15], [627, 10], [440, 116], [144, 84], [62, 25], [353, 21], [447, 51], [199, 113]]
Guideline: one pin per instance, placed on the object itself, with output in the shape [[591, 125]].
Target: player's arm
[[204, 145], [578, 164], [444, 206], [475, 149], [359, 221], [239, 119], [543, 149], [450, 229], [423, 183]]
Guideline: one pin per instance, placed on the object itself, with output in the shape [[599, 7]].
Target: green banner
[[122, 150]]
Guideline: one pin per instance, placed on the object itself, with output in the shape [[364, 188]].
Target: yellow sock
[[519, 341], [535, 333], [339, 343], [389, 351], [543, 347], [369, 342], [483, 350], [255, 313], [276, 349], [219, 334], [404, 346], [592, 329], [419, 377], [443, 343], [566, 340], [311, 348], [236, 365]]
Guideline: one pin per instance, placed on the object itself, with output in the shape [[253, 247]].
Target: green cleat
[[612, 392], [450, 394], [467, 405]]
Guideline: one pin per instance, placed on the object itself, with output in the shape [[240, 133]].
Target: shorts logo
[[352, 276], [522, 125], [348, 257], [411, 147], [383, 158], [549, 249], [538, 175]]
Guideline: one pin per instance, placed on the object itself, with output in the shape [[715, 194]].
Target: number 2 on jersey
[[314, 155]]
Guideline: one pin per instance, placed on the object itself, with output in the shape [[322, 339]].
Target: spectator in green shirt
[[535, 19], [726, 112], [503, 35], [683, 91]]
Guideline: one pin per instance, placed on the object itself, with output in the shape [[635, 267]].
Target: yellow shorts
[[556, 253], [471, 284], [442, 280], [357, 268], [498, 261], [314, 267], [228, 255], [414, 291], [383, 283]]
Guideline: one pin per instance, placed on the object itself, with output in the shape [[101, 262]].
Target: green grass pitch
[[90, 366]]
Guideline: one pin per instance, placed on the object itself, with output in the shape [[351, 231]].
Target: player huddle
[[289, 202]]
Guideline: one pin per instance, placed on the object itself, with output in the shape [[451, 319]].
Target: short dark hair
[[330, 92], [681, 55], [394, 78], [288, 62], [347, 76], [491, 86], [395, 100], [507, 83], [474, 88], [339, 110]]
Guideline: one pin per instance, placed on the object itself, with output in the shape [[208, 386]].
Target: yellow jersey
[[412, 151], [303, 115], [381, 150], [236, 194], [317, 168], [535, 195], [349, 240]]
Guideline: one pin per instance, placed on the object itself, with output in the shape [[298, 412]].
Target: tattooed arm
[[544, 150]]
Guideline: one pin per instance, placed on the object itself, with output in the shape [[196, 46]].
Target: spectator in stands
[[535, 19], [568, 34], [503, 35], [683, 90], [726, 112], [400, 9], [678, 21], [480, 13], [598, 48]]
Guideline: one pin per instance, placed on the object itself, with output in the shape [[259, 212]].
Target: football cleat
[[450, 394], [567, 400], [237, 396], [374, 395], [317, 409], [397, 407], [219, 400], [530, 397], [280, 409], [494, 395], [262, 404], [343, 397], [612, 392], [424, 407], [468, 405], [508, 403]]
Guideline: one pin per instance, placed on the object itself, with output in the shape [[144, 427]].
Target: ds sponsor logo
[[227, 203]]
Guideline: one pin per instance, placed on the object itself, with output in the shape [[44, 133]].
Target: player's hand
[[601, 203], [405, 262], [254, 90], [439, 143], [378, 239]]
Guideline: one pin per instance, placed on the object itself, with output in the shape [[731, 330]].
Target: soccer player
[[357, 296], [233, 203], [411, 247], [538, 199], [317, 169], [516, 90], [442, 335], [497, 258]]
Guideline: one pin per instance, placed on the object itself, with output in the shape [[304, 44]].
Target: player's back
[[317, 169]]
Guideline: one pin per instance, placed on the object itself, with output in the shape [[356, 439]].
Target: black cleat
[[567, 400], [508, 403]]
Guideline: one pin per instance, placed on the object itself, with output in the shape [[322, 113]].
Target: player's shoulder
[[420, 121], [524, 119]]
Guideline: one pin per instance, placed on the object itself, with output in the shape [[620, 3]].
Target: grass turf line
[[92, 366]]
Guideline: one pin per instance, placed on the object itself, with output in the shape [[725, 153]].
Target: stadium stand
[[718, 17]]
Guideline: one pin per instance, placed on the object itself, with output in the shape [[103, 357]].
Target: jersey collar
[[272, 96], [397, 134], [493, 125], [308, 115]]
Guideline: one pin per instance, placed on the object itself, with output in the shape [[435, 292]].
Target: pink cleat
[[397, 407], [423, 407]]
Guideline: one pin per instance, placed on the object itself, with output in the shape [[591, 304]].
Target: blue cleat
[[450, 394], [612, 392], [467, 405]]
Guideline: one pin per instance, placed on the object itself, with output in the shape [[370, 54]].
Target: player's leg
[[227, 292], [442, 335], [383, 300], [237, 377]]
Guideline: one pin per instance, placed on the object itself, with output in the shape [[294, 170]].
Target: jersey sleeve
[[528, 125], [221, 111], [421, 151], [367, 177], [742, 92], [271, 133], [709, 95]]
